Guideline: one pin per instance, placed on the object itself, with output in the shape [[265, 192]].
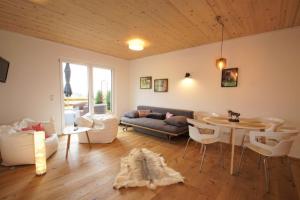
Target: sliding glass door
[[76, 92], [102, 90], [86, 89]]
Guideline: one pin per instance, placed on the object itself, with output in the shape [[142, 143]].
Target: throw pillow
[[168, 115], [143, 113], [132, 114], [35, 127], [38, 127], [49, 128], [178, 121], [155, 115]]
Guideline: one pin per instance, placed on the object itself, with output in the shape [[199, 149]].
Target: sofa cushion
[[143, 113], [155, 124], [178, 121], [177, 112], [156, 115], [132, 114]]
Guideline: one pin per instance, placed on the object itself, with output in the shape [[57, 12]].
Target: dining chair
[[225, 133], [270, 144], [272, 123], [204, 134]]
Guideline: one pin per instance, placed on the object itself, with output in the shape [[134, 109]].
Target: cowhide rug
[[143, 167]]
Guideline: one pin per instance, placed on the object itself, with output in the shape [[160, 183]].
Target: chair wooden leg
[[187, 144], [88, 139], [68, 145], [202, 159], [290, 171], [267, 175], [241, 158]]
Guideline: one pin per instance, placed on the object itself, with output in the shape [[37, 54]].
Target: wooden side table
[[72, 130]]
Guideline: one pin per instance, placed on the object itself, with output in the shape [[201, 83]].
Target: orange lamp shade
[[221, 63]]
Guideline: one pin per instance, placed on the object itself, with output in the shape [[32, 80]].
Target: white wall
[[34, 75], [269, 81]]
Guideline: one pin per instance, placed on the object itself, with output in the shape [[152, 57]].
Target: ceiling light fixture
[[136, 44], [221, 62]]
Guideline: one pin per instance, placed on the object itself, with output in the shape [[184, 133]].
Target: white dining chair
[[225, 133], [272, 123], [270, 144], [204, 134]]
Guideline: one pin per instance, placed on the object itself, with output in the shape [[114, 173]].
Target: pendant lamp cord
[[222, 39], [219, 20]]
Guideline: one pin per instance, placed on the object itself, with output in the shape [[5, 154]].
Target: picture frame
[[146, 82], [161, 85], [230, 77]]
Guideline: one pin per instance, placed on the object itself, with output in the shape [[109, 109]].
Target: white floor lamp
[[40, 153]]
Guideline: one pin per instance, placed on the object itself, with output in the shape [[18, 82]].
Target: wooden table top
[[244, 123]]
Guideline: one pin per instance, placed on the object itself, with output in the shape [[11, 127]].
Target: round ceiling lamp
[[136, 44], [221, 62]]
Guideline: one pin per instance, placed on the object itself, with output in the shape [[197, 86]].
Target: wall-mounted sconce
[[187, 75]]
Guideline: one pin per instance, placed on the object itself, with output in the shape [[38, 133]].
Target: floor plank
[[89, 174]]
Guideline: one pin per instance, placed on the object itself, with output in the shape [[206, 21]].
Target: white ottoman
[[104, 130]]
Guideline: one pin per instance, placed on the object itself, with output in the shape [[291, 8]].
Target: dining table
[[244, 123]]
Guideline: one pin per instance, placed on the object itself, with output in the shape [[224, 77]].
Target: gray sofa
[[157, 127]]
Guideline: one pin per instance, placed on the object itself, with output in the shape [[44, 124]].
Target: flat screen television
[[4, 65]]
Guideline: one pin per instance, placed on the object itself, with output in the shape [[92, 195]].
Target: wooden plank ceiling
[[104, 26]]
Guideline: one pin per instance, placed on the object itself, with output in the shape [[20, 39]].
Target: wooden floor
[[89, 174]]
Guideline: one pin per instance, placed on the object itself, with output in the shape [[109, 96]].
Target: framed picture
[[229, 77], [146, 82], [161, 85]]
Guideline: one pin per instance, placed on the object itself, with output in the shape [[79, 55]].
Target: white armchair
[[104, 129], [17, 147]]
